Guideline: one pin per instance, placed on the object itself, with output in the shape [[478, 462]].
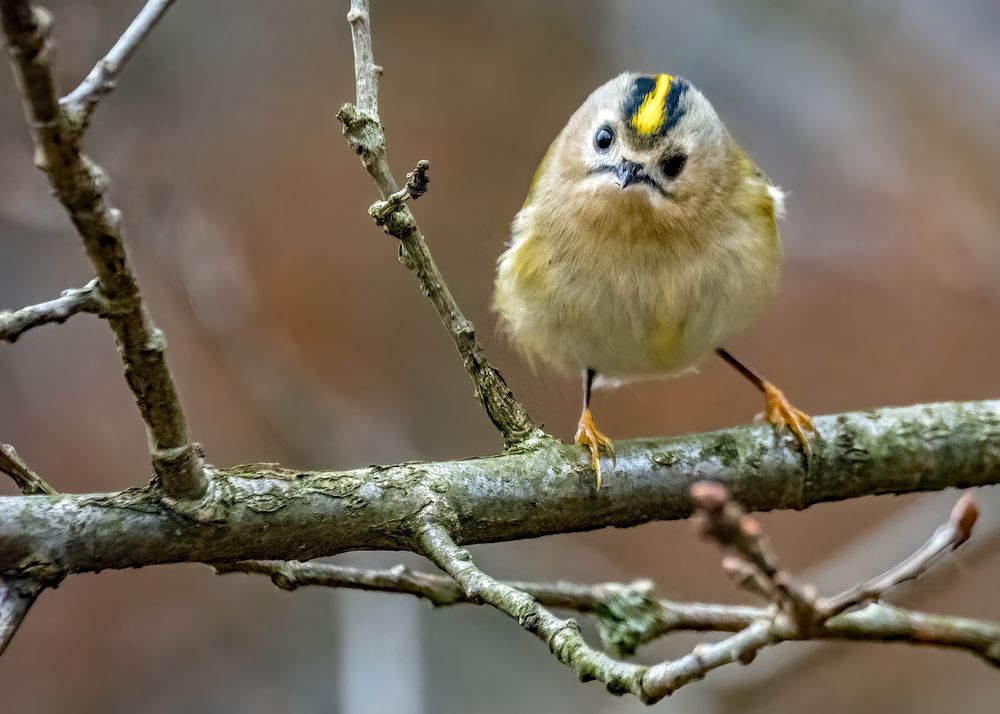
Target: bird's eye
[[604, 138], [673, 165]]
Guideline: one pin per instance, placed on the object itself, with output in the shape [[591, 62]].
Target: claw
[[780, 413], [588, 435]]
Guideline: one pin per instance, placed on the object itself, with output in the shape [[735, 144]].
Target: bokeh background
[[295, 335]]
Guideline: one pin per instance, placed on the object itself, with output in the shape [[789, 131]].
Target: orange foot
[[780, 413], [588, 435]]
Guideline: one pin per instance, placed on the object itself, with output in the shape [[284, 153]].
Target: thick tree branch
[[102, 78], [364, 132], [14, 323], [267, 512], [80, 185], [27, 480]]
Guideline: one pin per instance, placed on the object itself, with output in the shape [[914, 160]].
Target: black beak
[[628, 173]]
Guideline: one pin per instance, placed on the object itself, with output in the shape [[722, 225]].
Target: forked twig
[[364, 133]]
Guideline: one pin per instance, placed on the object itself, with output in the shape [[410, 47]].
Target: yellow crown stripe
[[649, 116]]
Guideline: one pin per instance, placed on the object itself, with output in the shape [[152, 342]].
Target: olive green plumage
[[647, 240]]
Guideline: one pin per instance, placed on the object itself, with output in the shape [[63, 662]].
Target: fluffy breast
[[616, 291]]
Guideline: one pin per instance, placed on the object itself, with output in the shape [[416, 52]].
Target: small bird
[[647, 241]]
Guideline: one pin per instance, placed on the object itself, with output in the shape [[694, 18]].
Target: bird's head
[[645, 138]]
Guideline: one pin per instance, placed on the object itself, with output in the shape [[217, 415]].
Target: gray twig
[[14, 323], [102, 78], [629, 615], [725, 521], [563, 637], [721, 518], [951, 535], [417, 182], [364, 133], [438, 589], [27, 480], [79, 185]]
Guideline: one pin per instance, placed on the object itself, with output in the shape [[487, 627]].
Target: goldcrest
[[648, 241]]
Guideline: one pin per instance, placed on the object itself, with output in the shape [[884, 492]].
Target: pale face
[[653, 141]]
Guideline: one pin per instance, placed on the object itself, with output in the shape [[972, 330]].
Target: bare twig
[[27, 480], [810, 618], [726, 521], [667, 677], [363, 130], [16, 598], [563, 637], [954, 533], [79, 185], [630, 616], [102, 78], [565, 641], [417, 182], [438, 589], [746, 577], [14, 323], [289, 575]]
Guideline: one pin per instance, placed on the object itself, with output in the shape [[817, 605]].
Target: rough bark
[[263, 511]]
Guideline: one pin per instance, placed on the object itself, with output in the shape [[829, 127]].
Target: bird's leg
[[778, 411], [587, 433]]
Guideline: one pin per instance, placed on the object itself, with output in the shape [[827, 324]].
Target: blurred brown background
[[296, 337]]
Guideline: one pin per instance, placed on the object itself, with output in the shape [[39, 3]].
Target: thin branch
[[16, 598], [102, 78], [628, 622], [363, 129], [289, 575], [14, 323], [951, 535], [80, 185], [628, 614], [563, 637], [274, 513], [565, 641], [667, 677], [27, 480], [438, 589], [416, 185], [807, 617], [727, 522]]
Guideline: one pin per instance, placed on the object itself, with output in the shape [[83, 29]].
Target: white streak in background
[[380, 666], [380, 653]]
